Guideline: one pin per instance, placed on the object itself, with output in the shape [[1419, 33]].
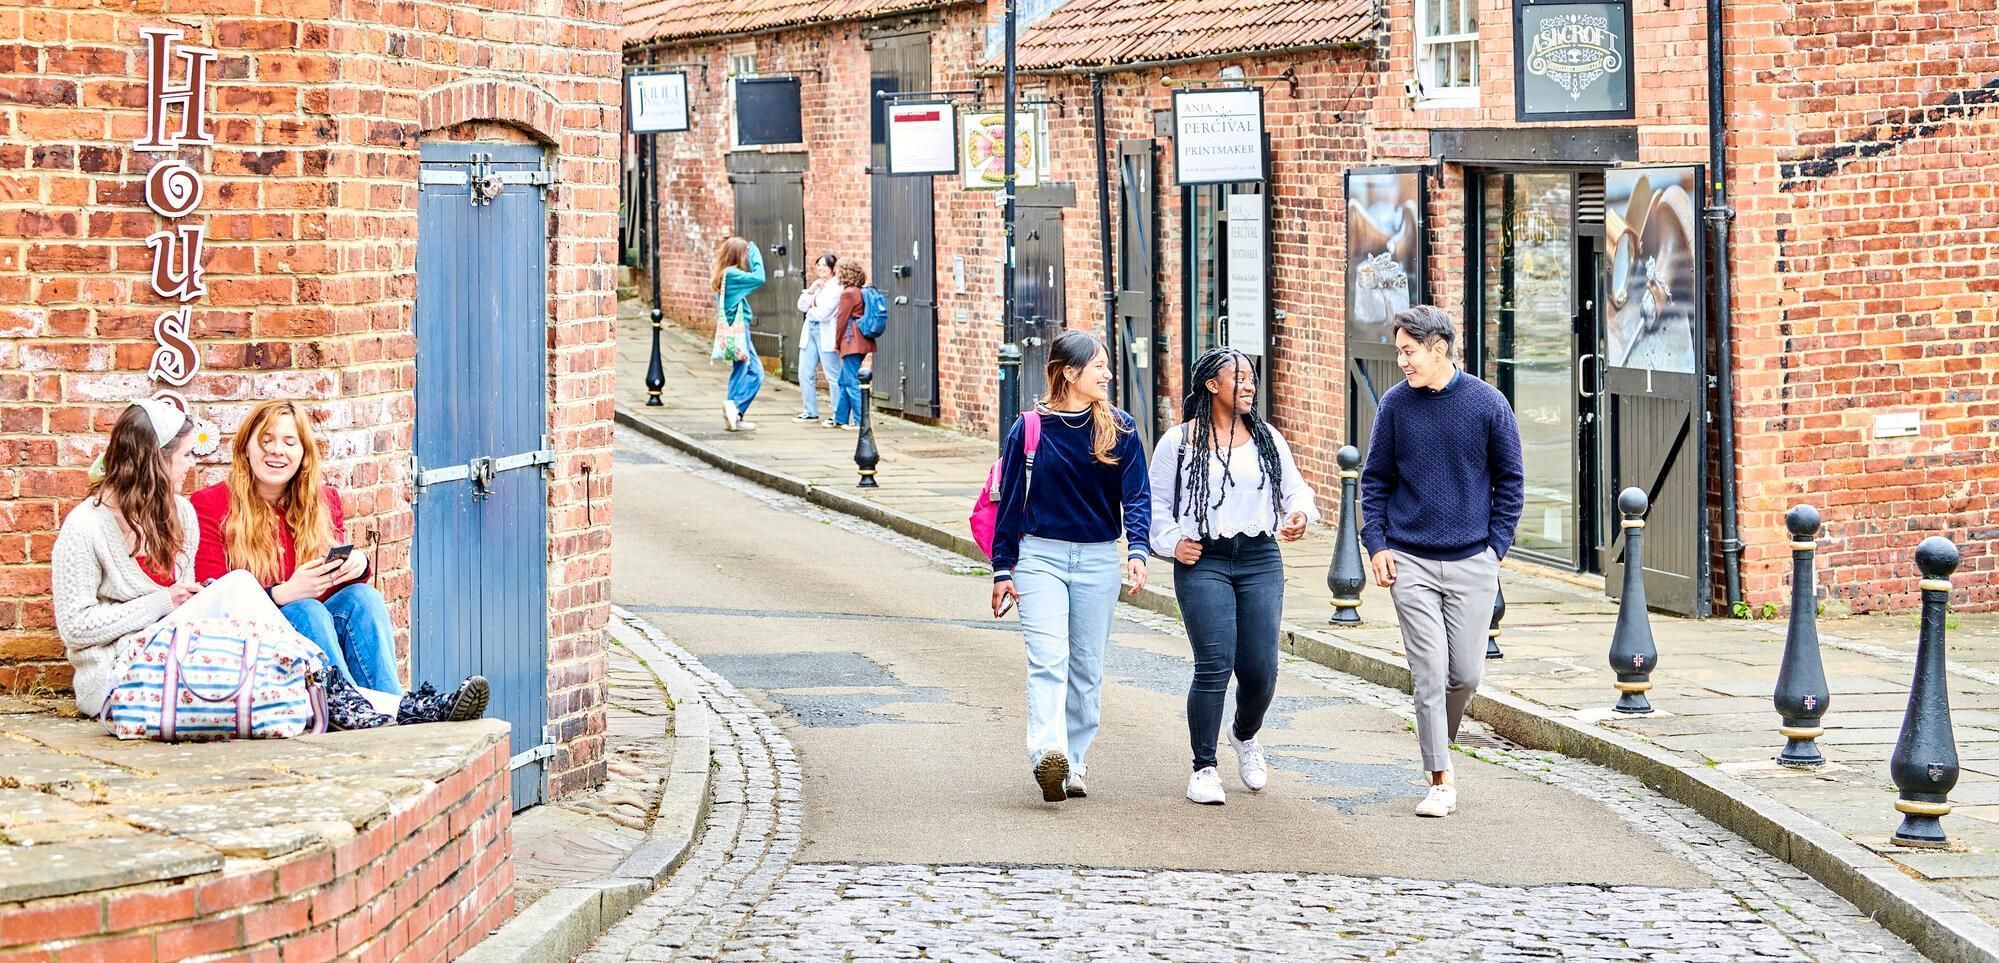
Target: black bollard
[[1348, 573], [866, 457], [1492, 633], [1632, 654], [655, 371], [1801, 696], [1924, 765]]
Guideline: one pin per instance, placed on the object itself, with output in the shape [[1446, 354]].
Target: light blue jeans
[[745, 380], [353, 629], [1068, 593], [812, 359]]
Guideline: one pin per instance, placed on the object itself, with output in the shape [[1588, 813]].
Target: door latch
[[481, 472], [899, 270]]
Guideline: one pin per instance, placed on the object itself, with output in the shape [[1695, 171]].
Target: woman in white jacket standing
[[1224, 491], [818, 343], [125, 556]]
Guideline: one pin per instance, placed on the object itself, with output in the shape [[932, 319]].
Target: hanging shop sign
[[1248, 274], [981, 158], [1385, 250], [1572, 60], [922, 137], [656, 102], [1218, 136], [767, 111], [173, 190]]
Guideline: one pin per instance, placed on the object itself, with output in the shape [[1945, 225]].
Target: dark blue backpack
[[874, 313]]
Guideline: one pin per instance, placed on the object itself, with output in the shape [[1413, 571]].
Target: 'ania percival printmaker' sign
[[1218, 136], [173, 191]]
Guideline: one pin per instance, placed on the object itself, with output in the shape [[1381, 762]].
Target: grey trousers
[[1445, 609]]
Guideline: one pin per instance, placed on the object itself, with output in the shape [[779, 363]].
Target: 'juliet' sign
[[1572, 60], [173, 191]]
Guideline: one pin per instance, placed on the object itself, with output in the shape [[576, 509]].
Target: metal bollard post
[[1632, 654], [655, 371], [1924, 765], [1492, 632], [866, 457], [1801, 696], [1348, 572]]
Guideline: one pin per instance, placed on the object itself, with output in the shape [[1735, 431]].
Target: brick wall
[[318, 109], [422, 885]]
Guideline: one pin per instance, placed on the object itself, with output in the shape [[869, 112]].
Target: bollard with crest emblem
[[1924, 765]]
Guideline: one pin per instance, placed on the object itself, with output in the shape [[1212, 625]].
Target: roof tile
[[1092, 33]]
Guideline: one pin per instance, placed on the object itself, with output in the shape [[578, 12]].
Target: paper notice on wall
[[1246, 266]]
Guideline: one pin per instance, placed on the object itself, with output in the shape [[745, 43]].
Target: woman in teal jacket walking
[[739, 269]]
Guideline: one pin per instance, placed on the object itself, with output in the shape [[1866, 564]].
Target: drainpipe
[[1104, 217], [1009, 350], [1718, 216]]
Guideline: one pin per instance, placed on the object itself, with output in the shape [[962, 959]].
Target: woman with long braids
[[1055, 551], [1223, 483]]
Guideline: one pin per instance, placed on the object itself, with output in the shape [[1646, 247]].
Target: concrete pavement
[[1716, 730]]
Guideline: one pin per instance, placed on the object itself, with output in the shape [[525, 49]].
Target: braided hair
[[1199, 411]]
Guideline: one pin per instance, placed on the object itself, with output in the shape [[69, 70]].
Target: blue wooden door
[[481, 422]]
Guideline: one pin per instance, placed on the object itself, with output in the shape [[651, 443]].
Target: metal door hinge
[[485, 181], [481, 471]]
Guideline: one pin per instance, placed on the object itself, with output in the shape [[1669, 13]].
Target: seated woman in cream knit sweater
[[125, 556]]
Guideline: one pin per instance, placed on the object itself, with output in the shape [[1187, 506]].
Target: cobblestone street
[[1598, 867]]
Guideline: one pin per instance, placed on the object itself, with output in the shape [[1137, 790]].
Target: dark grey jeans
[[1231, 601]]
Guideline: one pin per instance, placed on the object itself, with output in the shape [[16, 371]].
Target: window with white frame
[[741, 66], [1447, 49]]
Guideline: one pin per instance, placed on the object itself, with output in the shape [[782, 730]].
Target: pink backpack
[[985, 511]]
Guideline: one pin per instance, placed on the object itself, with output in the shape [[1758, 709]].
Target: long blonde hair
[[1076, 349], [734, 253], [250, 535]]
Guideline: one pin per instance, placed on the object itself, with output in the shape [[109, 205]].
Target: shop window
[[1206, 253], [1447, 51], [741, 67]]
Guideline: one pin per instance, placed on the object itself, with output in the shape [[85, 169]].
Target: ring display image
[[1653, 265]]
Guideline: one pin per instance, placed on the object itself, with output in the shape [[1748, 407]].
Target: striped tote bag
[[201, 680]]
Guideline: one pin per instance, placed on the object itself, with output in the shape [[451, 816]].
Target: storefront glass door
[[1528, 283]]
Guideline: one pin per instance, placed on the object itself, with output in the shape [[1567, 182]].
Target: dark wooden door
[[1040, 280], [1137, 297], [903, 263], [770, 210]]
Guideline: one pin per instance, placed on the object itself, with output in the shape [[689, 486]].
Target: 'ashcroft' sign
[[1218, 136], [1572, 60], [173, 191]]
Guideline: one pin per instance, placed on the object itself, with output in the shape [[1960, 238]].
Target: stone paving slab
[[81, 811], [1556, 629]]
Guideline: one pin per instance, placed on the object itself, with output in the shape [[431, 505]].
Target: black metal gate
[[1040, 281], [903, 264], [1137, 297], [770, 210]]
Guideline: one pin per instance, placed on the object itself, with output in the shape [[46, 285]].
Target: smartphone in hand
[[338, 553]]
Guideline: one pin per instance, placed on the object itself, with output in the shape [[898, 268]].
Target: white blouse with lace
[[1245, 507]]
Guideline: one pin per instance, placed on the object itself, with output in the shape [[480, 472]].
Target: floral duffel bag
[[200, 680]]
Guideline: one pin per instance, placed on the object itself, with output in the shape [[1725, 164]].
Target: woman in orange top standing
[[276, 517]]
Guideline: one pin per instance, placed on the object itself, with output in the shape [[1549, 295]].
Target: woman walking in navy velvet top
[[1055, 551]]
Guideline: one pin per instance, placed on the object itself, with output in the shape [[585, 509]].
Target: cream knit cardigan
[[101, 594]]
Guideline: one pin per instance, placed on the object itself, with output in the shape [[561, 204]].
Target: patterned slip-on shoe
[[347, 708]]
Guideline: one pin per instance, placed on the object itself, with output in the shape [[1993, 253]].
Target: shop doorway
[[1205, 322], [1040, 282], [770, 210], [481, 555], [1601, 404], [902, 263], [1139, 347]]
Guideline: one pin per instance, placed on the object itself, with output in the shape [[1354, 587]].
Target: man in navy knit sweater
[[1440, 497]]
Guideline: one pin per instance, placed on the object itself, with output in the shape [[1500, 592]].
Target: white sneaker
[[1205, 787], [829, 423], [1051, 773], [746, 426], [1249, 761], [801, 416], [1442, 801], [731, 418], [1074, 785]]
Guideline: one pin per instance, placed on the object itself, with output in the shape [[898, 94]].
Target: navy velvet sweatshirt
[[1443, 479], [1075, 498]]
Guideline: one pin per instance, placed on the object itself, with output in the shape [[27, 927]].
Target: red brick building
[[1551, 187], [328, 181]]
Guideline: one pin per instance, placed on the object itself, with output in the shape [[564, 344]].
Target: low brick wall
[[423, 882]]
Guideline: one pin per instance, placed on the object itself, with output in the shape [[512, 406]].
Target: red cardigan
[[211, 560]]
